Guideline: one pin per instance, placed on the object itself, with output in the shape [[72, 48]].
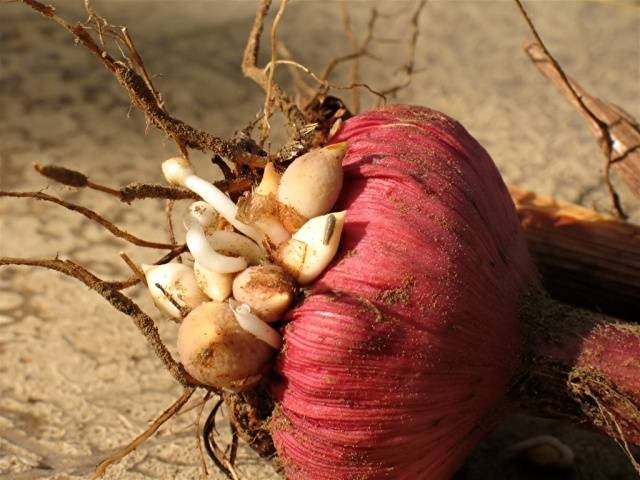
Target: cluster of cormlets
[[249, 259]]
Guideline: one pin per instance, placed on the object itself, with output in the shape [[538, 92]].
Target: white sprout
[[178, 172], [204, 214], [226, 241], [252, 324], [206, 255]]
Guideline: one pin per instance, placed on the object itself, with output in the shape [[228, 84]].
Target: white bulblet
[[179, 282], [237, 244], [217, 286], [216, 351], [312, 183], [267, 289], [310, 250]]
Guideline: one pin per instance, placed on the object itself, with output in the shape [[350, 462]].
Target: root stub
[[583, 367], [610, 409], [249, 412]]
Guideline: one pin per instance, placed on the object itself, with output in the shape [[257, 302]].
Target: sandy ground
[[77, 379]]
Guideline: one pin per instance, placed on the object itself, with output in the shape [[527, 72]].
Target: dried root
[[133, 77], [205, 399], [119, 301], [303, 89], [101, 468], [309, 116], [250, 413], [271, 71], [617, 133], [358, 51], [168, 212], [363, 49], [224, 464], [408, 68], [606, 406], [91, 215], [276, 97], [127, 194]]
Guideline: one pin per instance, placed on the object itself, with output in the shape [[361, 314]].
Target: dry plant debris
[[616, 131]]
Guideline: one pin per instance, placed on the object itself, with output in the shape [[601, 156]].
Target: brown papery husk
[[253, 206]]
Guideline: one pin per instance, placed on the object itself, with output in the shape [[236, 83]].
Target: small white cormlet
[[179, 282], [311, 249]]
